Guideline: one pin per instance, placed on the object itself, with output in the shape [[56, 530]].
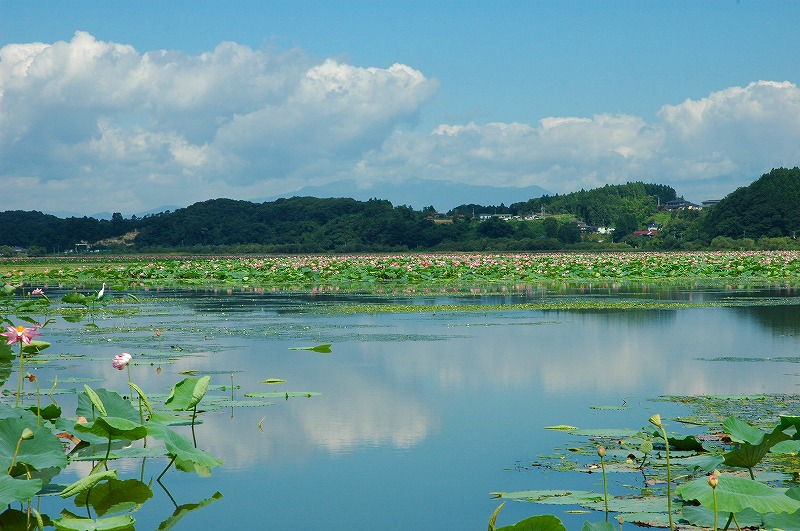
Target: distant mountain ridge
[[419, 193]]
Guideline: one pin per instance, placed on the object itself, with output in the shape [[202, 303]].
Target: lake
[[421, 414]]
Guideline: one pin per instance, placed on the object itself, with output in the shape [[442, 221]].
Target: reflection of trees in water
[[780, 320]]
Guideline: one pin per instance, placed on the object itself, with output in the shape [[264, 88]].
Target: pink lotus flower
[[121, 361], [37, 291], [16, 334]]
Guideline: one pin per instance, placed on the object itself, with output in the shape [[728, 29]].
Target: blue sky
[[151, 103]]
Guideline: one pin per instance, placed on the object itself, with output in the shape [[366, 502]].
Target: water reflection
[[420, 414]]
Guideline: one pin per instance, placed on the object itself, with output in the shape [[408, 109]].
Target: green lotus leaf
[[545, 522], [187, 393], [652, 507], [115, 496], [598, 526], [21, 490], [793, 421], [16, 519], [87, 483], [70, 522], [786, 447], [114, 428], [75, 298], [325, 349], [783, 521], [41, 451], [742, 432], [95, 400], [187, 457], [282, 394], [748, 455], [6, 352], [50, 412], [553, 497], [113, 403], [702, 517], [35, 347], [734, 494]]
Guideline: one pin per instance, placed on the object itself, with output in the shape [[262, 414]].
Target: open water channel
[[421, 414]]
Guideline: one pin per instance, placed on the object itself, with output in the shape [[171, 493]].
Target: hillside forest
[[636, 215]]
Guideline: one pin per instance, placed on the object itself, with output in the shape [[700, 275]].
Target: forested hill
[[768, 208], [600, 206]]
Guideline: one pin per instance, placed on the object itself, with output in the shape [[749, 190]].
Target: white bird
[[101, 292]]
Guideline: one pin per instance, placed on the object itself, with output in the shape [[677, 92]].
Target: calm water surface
[[421, 415]]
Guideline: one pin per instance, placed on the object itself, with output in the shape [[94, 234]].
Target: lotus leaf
[[742, 432], [187, 457], [75, 298], [703, 517], [187, 393], [749, 455], [12, 489], [43, 450], [282, 394], [71, 522], [782, 521], [114, 428], [35, 347], [113, 403], [734, 494], [553, 497], [598, 526], [87, 483], [545, 522]]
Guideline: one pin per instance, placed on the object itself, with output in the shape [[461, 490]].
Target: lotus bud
[[655, 420], [713, 481], [601, 451], [121, 361], [26, 434]]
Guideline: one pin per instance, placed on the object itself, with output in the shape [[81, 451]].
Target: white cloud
[[100, 115], [705, 147], [85, 119]]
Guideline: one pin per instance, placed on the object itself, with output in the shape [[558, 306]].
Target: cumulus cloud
[[103, 117], [87, 119], [699, 146]]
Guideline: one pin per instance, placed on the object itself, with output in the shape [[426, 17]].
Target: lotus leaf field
[[424, 270], [738, 476]]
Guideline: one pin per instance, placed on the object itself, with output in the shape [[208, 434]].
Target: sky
[[129, 106]]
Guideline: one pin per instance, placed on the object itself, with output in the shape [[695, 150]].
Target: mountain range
[[420, 193], [416, 193]]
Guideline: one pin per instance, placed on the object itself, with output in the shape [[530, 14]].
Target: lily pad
[[552, 497], [325, 349]]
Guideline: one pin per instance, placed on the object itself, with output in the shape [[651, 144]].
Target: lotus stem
[[165, 471], [26, 434], [20, 383], [128, 366], [713, 482], [601, 451], [108, 451], [194, 414], [655, 420]]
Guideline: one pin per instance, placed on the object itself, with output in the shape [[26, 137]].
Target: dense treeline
[[765, 214], [43, 233]]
